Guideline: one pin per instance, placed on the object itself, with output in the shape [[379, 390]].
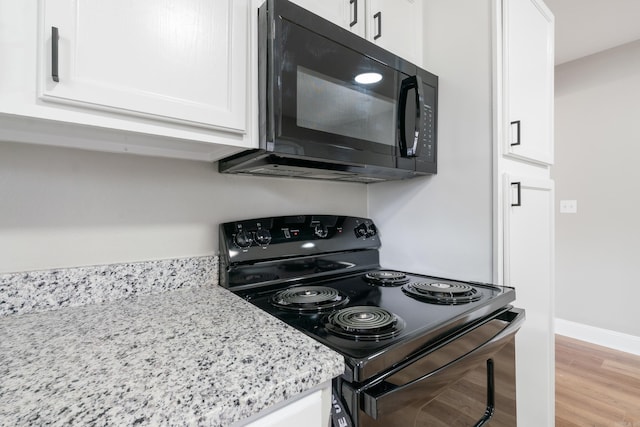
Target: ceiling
[[584, 27]]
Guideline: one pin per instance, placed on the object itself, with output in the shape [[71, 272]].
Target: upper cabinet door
[[349, 14], [396, 25], [179, 61], [529, 57]]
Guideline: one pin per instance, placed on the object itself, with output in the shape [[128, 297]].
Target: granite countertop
[[199, 356]]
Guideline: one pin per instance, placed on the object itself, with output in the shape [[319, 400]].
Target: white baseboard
[[599, 336]]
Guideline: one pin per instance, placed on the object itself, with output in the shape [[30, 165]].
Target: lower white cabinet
[[312, 410], [528, 266]]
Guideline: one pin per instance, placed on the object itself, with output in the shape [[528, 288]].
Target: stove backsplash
[[45, 290]]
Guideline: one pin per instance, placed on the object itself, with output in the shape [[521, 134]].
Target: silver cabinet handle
[[517, 124], [354, 3], [518, 189], [378, 16], [54, 54]]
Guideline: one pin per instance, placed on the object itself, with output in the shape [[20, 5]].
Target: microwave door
[[334, 103]]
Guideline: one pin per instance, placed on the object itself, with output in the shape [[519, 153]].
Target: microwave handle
[[413, 82]]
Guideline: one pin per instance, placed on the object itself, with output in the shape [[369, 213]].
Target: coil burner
[[309, 298], [364, 323], [442, 293], [386, 278]]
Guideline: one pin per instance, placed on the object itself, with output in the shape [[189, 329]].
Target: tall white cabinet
[[524, 194], [488, 213]]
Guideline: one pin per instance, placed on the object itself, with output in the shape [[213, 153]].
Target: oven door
[[468, 380], [336, 97]]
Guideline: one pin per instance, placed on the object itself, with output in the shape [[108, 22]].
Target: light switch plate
[[568, 206]]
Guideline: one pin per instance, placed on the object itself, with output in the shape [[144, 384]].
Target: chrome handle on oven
[[413, 82], [385, 398]]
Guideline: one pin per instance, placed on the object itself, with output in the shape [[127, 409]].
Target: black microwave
[[335, 106]]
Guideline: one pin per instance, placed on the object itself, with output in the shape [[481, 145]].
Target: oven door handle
[[385, 398]]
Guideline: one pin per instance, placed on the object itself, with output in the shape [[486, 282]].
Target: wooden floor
[[596, 386]]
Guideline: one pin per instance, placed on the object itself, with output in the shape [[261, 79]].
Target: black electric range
[[321, 274]]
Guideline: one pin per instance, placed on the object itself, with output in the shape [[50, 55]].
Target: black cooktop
[[421, 321], [321, 274]]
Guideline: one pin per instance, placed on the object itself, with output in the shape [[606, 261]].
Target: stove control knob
[[243, 239], [361, 231], [321, 231], [263, 237], [371, 230]]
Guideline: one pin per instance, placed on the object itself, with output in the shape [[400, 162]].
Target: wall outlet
[[568, 206]]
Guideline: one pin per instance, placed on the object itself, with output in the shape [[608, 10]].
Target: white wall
[[447, 218], [64, 207], [597, 150]]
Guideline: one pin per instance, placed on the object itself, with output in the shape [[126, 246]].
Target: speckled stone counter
[[198, 356], [26, 292]]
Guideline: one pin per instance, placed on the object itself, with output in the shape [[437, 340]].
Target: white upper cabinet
[[172, 78], [529, 57], [395, 25], [349, 14], [170, 60]]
